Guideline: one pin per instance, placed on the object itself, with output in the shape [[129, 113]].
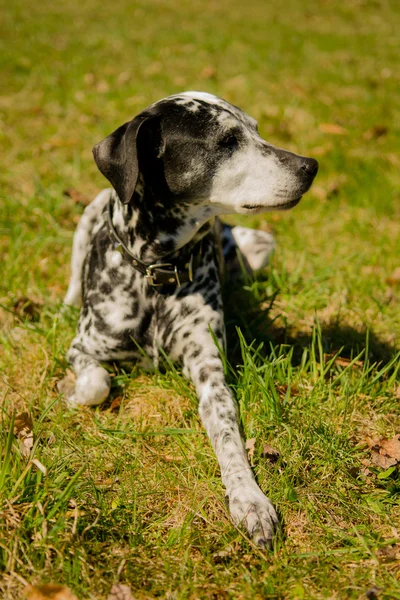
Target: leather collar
[[157, 274]]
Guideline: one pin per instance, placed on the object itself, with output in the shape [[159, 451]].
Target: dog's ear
[[118, 157]]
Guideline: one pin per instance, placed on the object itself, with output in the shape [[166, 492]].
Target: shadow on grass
[[249, 309]]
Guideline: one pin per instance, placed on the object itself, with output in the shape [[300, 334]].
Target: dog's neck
[[152, 230]]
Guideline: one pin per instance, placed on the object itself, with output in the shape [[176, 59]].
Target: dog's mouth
[[254, 208]]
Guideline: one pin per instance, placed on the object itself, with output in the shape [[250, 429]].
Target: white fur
[[251, 178], [255, 246], [91, 388], [205, 96], [82, 239]]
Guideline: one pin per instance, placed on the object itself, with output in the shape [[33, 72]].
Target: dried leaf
[[333, 189], [77, 196], [270, 453], [393, 159], [59, 141], [169, 458], [391, 447], [49, 591], [208, 72], [371, 442], [23, 431], [388, 553], [320, 151], [397, 392], [333, 129], [282, 390], [385, 453], [153, 68], [26, 308], [89, 78], [382, 461], [103, 483], [119, 591], [390, 297], [236, 83], [39, 465], [394, 278], [319, 192], [223, 555], [365, 472], [250, 446], [376, 132], [51, 439], [124, 77], [371, 270], [66, 385], [342, 361], [115, 404], [102, 86], [22, 424]]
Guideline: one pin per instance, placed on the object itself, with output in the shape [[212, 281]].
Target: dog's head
[[195, 148]]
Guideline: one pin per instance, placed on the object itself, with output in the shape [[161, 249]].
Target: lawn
[[130, 492]]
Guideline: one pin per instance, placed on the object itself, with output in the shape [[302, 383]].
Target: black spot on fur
[[196, 353], [204, 374], [105, 288]]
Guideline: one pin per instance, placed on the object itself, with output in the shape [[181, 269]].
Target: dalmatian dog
[[148, 255]]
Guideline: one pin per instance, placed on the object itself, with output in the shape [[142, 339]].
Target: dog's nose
[[309, 167]]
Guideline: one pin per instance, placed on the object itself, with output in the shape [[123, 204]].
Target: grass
[[132, 491]]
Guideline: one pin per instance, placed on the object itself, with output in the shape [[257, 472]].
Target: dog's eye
[[230, 142]]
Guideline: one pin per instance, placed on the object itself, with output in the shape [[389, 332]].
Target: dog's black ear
[[117, 157]]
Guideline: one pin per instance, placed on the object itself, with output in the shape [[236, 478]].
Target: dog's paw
[[91, 387], [250, 508], [255, 246]]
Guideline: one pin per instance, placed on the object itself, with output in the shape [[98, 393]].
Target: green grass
[[132, 491]]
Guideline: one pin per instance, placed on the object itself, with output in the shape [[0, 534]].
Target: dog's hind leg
[[81, 244], [255, 248]]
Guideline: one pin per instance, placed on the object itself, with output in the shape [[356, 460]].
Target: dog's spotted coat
[[174, 168]]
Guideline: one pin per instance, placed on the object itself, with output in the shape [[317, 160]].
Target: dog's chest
[[122, 315], [118, 304]]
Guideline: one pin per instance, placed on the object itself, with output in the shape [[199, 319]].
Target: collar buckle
[[151, 277], [170, 275]]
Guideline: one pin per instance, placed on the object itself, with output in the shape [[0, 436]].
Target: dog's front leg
[[218, 411]]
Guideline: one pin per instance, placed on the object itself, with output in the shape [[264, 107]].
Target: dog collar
[[156, 274]]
